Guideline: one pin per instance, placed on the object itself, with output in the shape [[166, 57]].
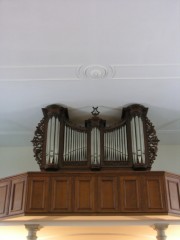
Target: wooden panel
[[154, 197], [130, 195], [173, 190], [17, 198], [90, 193], [38, 191], [4, 197], [107, 194], [61, 194], [84, 194]]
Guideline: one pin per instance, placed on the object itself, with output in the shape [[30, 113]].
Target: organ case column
[[95, 125]]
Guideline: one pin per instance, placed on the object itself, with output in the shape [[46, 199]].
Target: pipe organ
[[59, 144]]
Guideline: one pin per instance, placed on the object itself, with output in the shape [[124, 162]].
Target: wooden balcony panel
[[107, 194], [61, 194], [130, 194], [17, 196], [173, 193], [155, 194], [38, 194], [4, 197], [84, 195]]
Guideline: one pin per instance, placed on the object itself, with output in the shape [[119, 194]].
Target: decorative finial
[[95, 111]]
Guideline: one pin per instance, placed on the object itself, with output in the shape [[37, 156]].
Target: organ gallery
[[95, 168]]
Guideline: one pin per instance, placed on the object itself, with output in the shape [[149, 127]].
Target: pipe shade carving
[[59, 144]]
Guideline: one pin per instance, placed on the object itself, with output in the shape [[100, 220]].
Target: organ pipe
[[137, 140], [95, 146], [115, 144], [75, 146], [52, 144]]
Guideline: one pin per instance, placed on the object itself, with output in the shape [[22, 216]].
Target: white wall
[[168, 159], [15, 160]]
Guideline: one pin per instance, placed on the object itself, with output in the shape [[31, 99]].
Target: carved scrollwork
[[152, 141], [38, 142]]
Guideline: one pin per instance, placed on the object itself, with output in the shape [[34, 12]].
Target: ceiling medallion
[[95, 72]]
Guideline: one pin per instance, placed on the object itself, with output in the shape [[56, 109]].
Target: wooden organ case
[[94, 169], [130, 143]]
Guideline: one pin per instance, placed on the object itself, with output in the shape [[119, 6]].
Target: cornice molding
[[89, 72]]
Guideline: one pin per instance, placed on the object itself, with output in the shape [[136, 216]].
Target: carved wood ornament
[[129, 144]]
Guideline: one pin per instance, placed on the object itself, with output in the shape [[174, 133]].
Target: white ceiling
[[88, 53]]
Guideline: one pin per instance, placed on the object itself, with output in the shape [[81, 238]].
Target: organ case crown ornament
[[59, 144]]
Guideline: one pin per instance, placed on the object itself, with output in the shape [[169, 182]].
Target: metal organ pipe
[[120, 144], [115, 144], [84, 146], [137, 132], [79, 144], [133, 140], [48, 141], [52, 144], [138, 139], [77, 148], [81, 147], [110, 144], [142, 139], [65, 140], [75, 145], [125, 143], [122, 138], [56, 144], [52, 138], [95, 146]]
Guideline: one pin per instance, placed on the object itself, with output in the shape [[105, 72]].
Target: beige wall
[[15, 160]]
